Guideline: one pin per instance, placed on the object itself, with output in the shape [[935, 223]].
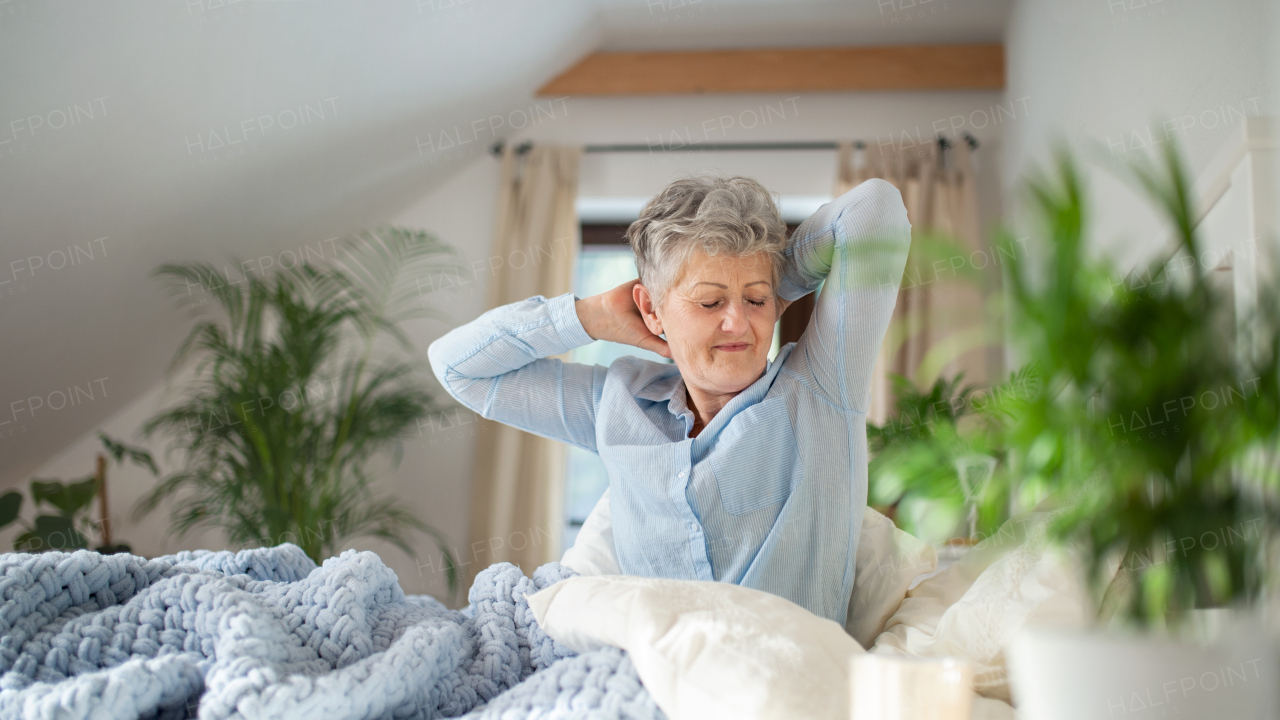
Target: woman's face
[[718, 319]]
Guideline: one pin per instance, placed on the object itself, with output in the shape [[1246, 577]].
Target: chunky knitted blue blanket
[[268, 634]]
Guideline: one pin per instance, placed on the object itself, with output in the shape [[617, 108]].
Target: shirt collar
[[663, 387], [679, 404]]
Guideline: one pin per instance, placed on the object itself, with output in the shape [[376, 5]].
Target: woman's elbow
[[438, 357], [879, 191], [891, 212], [470, 392]]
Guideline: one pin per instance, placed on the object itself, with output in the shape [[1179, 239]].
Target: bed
[[266, 633]]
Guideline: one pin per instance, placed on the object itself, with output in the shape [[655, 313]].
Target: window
[[605, 262]]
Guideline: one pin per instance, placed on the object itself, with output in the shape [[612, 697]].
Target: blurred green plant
[[71, 527], [1157, 428], [301, 382], [119, 451], [912, 473], [934, 457], [942, 454]]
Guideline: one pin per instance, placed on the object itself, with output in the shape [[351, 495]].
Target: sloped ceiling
[[138, 133]]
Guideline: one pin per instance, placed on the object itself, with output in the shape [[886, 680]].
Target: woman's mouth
[[732, 347]]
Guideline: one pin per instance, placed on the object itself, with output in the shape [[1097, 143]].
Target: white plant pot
[[1058, 675]]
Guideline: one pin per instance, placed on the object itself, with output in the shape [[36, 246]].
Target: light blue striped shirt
[[771, 494]]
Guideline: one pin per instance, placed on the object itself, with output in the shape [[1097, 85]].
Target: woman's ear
[[644, 302]]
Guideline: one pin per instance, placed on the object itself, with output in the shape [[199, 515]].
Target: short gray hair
[[735, 216]]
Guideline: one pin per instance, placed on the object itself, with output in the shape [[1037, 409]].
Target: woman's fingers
[[655, 344], [622, 296], [633, 331], [618, 302]]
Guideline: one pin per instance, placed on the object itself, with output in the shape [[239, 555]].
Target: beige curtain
[[939, 327], [517, 500]]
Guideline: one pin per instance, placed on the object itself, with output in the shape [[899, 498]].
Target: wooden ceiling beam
[[904, 67]]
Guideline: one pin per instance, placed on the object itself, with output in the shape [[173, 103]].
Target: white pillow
[[707, 649], [974, 609], [888, 560]]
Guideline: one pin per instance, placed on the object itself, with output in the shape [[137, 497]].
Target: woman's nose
[[735, 318]]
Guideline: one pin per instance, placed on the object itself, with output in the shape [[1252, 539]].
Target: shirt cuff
[[564, 318]]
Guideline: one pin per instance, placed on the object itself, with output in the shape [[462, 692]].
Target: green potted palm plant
[[1153, 418], [303, 380], [1155, 435]]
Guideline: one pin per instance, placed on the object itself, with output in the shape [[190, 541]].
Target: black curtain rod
[[525, 146]]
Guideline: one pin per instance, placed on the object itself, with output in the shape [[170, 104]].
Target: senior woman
[[722, 466]]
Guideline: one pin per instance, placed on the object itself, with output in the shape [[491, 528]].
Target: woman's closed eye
[[711, 305]]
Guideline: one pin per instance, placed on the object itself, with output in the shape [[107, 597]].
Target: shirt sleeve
[[855, 247], [500, 366]]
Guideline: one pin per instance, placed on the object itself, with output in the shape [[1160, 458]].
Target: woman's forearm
[[500, 365], [591, 316], [857, 245], [507, 338]]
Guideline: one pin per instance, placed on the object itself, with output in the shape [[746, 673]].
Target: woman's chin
[[736, 374]]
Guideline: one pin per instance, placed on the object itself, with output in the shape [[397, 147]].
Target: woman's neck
[[705, 406]]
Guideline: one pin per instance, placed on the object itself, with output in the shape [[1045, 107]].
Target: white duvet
[[716, 650]]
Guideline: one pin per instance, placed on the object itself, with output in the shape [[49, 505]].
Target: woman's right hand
[[613, 316]]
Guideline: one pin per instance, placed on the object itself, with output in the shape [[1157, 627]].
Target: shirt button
[[681, 474]]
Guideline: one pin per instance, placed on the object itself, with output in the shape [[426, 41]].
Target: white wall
[[1105, 75], [433, 478], [167, 131]]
